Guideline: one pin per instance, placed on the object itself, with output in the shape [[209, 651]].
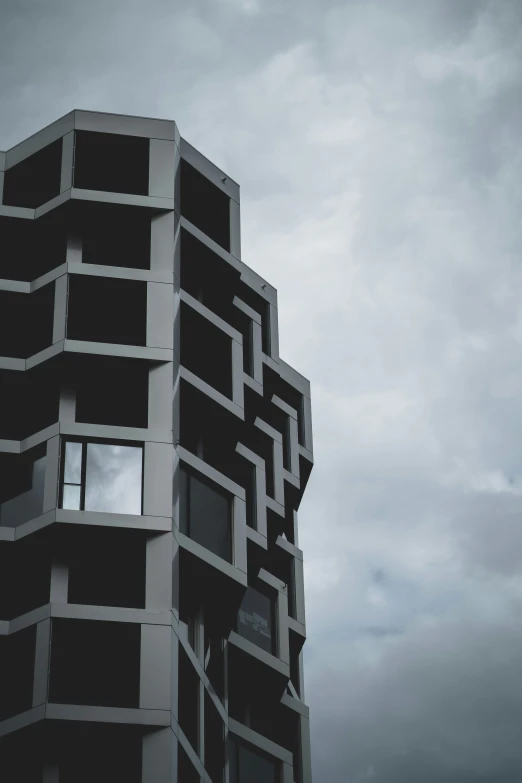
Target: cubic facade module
[[154, 450]]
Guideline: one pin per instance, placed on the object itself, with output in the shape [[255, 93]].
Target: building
[[154, 449]]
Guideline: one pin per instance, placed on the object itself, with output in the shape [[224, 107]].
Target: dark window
[[250, 766], [188, 698], [26, 321], [107, 310], [256, 619], [22, 486], [25, 575], [107, 568], [188, 621], [28, 401], [294, 669], [207, 277], [251, 496], [36, 179], [205, 515], [103, 753], [21, 243], [17, 672], [103, 396], [95, 663], [261, 306], [111, 162], [206, 350], [205, 205], [102, 477], [214, 741], [215, 663], [115, 235]]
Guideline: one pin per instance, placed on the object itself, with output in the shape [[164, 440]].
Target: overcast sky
[[378, 149]]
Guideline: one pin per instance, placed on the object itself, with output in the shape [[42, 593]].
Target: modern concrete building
[[154, 449]]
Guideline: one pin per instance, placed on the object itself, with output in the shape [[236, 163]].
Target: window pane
[[210, 518], [71, 497], [232, 761], [113, 478], [27, 504], [73, 463], [255, 619], [254, 768]]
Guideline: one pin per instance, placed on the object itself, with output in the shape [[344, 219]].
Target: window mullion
[[83, 474]]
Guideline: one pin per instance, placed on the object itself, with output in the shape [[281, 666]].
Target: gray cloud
[[378, 150]]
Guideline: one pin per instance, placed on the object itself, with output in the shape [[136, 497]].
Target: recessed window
[[101, 752], [107, 310], [94, 662], [102, 395], [102, 477], [262, 307], [205, 514], [17, 671], [205, 205], [36, 179], [255, 620], [207, 277], [22, 486], [206, 350], [111, 162], [107, 567], [249, 766], [28, 401], [188, 698], [25, 575], [114, 235], [21, 243], [26, 321]]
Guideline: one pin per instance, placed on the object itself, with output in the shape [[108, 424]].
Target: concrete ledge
[[159, 524], [107, 714]]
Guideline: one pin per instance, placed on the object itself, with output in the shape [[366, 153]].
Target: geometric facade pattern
[[154, 450]]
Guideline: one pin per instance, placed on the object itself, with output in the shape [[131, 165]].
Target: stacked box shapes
[[154, 450]]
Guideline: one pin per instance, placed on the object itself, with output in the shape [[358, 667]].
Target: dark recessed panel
[[95, 663], [107, 310], [36, 179], [110, 162], [205, 205]]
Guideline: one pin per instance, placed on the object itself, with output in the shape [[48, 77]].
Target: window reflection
[[71, 497], [113, 479], [205, 515], [255, 619], [73, 463], [247, 766], [102, 477]]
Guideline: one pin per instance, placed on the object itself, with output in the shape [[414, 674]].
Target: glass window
[[255, 619], [247, 766], [73, 463], [113, 478], [23, 491], [72, 476], [102, 477], [71, 497], [205, 515]]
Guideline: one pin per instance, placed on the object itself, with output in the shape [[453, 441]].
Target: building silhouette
[[154, 449]]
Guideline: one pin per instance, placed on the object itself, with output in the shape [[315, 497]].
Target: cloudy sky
[[378, 148]]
